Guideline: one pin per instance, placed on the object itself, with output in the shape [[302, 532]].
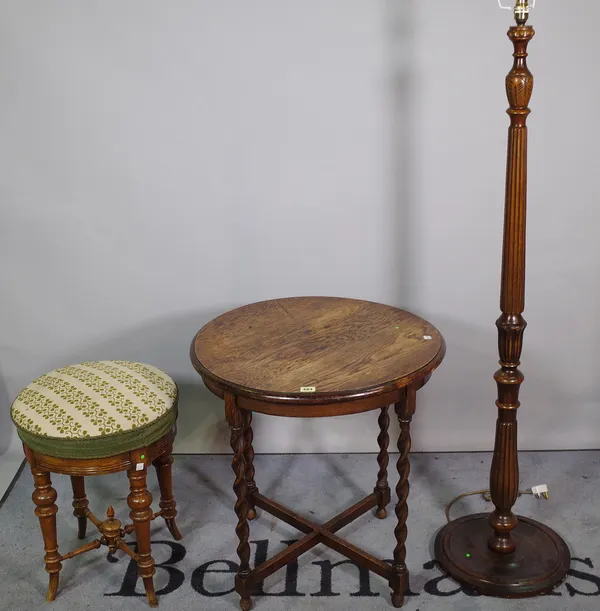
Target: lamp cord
[[485, 495]]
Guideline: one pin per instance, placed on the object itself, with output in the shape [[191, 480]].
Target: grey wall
[[163, 162]]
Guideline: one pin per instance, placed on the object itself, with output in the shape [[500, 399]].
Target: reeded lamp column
[[502, 554]]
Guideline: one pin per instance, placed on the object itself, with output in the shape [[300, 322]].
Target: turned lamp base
[[539, 563]]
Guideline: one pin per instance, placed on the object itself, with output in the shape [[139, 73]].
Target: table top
[[307, 348]]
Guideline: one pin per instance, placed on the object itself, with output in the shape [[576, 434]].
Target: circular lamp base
[[539, 563]]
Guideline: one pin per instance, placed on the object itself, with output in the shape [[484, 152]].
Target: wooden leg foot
[[397, 599], [81, 527], [52, 588], [245, 603], [150, 593], [167, 500], [381, 513], [173, 529]]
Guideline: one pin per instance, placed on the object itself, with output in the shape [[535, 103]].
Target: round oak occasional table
[[310, 357]]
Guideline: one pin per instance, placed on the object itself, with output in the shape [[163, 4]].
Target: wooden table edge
[[317, 404]]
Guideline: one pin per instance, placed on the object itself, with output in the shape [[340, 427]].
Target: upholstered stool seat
[[96, 409], [95, 418]]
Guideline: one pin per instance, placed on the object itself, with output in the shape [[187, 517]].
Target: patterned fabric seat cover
[[96, 409]]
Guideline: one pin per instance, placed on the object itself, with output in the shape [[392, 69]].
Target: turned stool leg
[[382, 488], [237, 420], [249, 458], [80, 504], [405, 410], [167, 501], [44, 498], [139, 501]]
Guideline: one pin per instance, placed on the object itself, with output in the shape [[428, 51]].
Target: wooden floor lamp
[[502, 554]]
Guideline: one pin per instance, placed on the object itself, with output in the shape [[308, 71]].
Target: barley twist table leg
[[237, 424], [249, 459], [405, 410], [383, 439]]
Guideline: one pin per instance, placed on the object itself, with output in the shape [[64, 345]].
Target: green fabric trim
[[101, 446]]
